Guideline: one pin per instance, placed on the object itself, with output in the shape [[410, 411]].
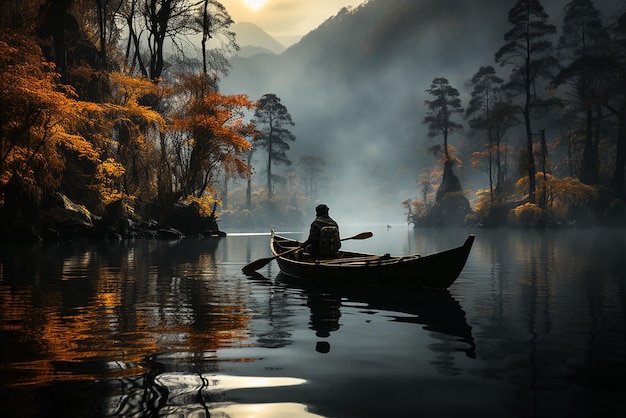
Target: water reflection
[[80, 311], [533, 327], [435, 309], [163, 391], [555, 324]]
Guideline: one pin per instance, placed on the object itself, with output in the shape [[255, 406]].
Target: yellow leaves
[[116, 146], [108, 174], [528, 214], [572, 191], [567, 193], [561, 194], [111, 168], [419, 208], [80, 145], [205, 204], [20, 54], [126, 88], [483, 201], [127, 91], [212, 125]]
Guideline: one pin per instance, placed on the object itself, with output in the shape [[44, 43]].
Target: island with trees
[[566, 101]]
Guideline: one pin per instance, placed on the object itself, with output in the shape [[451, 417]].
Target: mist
[[355, 88]]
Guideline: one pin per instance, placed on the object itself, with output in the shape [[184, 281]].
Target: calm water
[[534, 327]]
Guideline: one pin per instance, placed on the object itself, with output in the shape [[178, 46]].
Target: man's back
[[324, 237]]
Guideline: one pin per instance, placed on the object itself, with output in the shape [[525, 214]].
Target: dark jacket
[[311, 245]]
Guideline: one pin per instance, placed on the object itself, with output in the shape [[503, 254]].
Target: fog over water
[[355, 88]]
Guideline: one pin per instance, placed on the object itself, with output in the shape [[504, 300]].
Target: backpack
[[329, 242]]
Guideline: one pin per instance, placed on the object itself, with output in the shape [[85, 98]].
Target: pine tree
[[488, 112], [582, 39], [272, 120], [528, 51], [441, 110]]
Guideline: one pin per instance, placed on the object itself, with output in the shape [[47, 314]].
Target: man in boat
[[323, 237]]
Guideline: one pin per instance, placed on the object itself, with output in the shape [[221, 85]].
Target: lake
[[535, 326]]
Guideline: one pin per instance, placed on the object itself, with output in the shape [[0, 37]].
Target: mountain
[[252, 39], [355, 87]]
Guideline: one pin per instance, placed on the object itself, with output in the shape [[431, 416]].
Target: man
[[324, 235]]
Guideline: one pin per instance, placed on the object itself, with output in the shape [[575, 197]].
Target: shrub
[[527, 215]]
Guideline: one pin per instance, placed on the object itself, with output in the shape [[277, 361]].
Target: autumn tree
[[135, 132], [446, 103], [273, 120], [582, 39], [488, 112], [209, 135], [528, 51], [42, 130]]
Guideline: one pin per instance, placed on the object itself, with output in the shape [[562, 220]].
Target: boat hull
[[437, 270]]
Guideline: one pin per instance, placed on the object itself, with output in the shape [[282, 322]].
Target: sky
[[285, 19]]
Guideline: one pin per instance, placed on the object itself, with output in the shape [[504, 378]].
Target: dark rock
[[60, 218], [187, 218], [169, 234]]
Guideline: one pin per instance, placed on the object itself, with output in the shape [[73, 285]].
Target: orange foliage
[[561, 194], [526, 215], [127, 89], [438, 151], [108, 180], [483, 201], [39, 116], [211, 125], [135, 131], [567, 193]]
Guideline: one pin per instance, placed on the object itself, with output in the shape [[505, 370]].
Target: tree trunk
[[58, 13], [589, 173], [617, 181], [269, 168], [450, 182]]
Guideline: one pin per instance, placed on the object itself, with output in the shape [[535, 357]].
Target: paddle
[[262, 262]]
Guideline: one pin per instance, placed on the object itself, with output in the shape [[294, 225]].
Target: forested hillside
[[102, 132], [121, 118], [357, 88]]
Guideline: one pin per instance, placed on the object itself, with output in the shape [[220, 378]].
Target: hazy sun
[[254, 4]]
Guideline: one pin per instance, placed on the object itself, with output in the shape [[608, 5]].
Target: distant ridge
[[250, 35], [356, 86]]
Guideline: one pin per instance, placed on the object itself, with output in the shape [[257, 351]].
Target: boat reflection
[[435, 309]]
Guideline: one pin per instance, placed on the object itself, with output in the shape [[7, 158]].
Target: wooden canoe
[[437, 270]]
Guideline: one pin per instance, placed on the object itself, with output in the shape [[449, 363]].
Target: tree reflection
[[111, 303], [560, 317]]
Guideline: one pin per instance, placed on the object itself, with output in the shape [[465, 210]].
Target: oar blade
[[262, 262], [257, 264], [362, 235]]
